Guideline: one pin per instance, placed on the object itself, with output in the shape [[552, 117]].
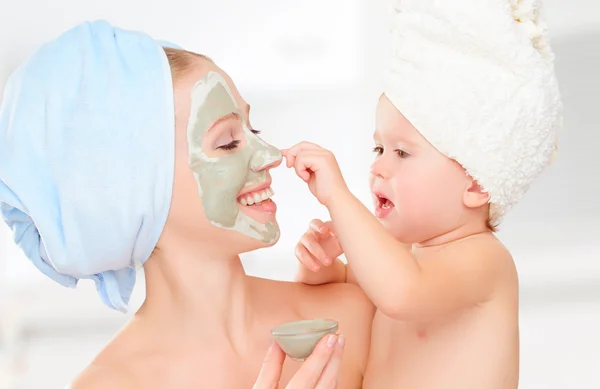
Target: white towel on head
[[476, 78]]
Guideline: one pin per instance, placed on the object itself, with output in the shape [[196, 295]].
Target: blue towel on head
[[87, 156]]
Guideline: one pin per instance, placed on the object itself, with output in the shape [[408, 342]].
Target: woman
[[101, 177]]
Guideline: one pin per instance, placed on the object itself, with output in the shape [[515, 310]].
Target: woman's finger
[[329, 377], [310, 371], [270, 372]]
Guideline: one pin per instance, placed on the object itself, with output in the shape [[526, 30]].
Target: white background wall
[[309, 69]]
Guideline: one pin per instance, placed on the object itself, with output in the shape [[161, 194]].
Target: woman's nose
[[265, 157]]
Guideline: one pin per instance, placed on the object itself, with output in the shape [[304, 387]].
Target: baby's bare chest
[[471, 349]]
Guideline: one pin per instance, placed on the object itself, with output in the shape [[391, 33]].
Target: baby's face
[[417, 191]]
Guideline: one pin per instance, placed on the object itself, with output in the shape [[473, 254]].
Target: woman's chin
[[248, 244]]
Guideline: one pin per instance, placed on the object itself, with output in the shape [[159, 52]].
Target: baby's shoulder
[[483, 246], [483, 251], [486, 246]]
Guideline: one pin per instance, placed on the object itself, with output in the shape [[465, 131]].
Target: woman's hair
[[181, 61]]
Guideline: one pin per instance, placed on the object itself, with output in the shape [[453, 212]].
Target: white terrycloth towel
[[476, 78]]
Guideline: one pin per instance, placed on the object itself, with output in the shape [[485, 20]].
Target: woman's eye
[[230, 146]]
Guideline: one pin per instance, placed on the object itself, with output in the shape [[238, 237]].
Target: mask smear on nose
[[220, 179]]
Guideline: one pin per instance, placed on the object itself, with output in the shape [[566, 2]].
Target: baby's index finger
[[329, 228], [316, 225], [289, 161]]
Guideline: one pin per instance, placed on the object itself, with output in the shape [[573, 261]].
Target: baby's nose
[[377, 169]]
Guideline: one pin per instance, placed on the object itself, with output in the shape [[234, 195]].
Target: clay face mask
[[220, 179]]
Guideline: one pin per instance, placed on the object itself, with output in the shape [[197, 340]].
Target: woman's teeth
[[256, 197]]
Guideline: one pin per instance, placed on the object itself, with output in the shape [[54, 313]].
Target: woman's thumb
[[270, 372]]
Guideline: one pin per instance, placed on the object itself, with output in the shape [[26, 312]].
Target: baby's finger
[[309, 160], [310, 242], [302, 146], [289, 159], [306, 258], [318, 226], [301, 169], [328, 226]]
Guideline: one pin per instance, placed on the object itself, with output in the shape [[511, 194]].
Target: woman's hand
[[319, 371]]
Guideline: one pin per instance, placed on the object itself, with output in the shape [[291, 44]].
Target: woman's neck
[[193, 294]]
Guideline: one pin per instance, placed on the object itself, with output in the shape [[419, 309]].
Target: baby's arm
[[334, 273], [399, 285]]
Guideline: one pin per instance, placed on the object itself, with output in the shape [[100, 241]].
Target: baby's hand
[[317, 167], [318, 246]]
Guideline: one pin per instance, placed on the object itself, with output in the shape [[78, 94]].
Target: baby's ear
[[475, 196]]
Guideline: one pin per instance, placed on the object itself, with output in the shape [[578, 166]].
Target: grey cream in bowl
[[298, 339]]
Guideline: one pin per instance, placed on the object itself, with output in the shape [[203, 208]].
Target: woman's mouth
[[383, 206], [258, 200]]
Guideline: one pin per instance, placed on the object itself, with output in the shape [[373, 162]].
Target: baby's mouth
[[384, 203]]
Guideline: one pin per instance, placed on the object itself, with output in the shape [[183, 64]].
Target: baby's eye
[[255, 132], [378, 150], [402, 153]]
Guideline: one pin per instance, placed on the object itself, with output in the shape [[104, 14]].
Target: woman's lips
[[259, 200]]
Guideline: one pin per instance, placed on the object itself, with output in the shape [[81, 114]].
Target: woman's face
[[222, 184]]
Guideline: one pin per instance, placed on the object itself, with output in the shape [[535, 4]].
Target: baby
[[469, 118]]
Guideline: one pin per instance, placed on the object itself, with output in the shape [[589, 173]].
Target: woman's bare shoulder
[[340, 298], [347, 304], [101, 376], [346, 301], [112, 367]]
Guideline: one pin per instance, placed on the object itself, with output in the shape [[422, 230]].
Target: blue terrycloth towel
[[86, 156]]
